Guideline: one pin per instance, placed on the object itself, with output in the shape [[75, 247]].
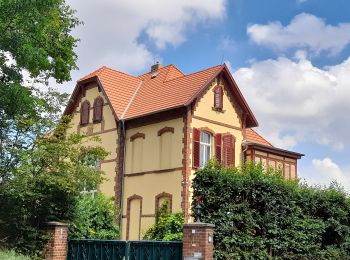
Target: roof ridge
[[131, 99], [105, 67], [153, 71], [173, 66], [219, 65], [192, 73], [260, 135]]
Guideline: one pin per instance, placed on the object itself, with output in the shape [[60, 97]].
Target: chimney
[[155, 67]]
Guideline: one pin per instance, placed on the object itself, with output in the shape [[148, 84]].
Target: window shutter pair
[[224, 148]]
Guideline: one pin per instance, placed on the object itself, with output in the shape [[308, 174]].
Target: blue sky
[[290, 59]]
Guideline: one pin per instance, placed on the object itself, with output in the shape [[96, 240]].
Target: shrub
[[94, 218], [260, 215], [168, 226]]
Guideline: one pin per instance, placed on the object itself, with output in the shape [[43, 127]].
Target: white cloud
[[114, 32], [324, 171], [295, 101], [304, 31]]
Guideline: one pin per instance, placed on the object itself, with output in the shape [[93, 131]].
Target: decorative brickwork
[[119, 173], [186, 162], [163, 195], [56, 249], [198, 241]]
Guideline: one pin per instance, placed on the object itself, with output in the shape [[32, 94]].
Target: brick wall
[[56, 249], [198, 241]]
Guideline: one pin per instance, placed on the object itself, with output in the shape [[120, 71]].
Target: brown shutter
[[228, 150], [84, 113], [196, 147], [218, 141], [221, 98], [98, 109]]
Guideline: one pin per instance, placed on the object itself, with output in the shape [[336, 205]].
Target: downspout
[[245, 145], [121, 202]]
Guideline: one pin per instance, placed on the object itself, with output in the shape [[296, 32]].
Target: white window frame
[[204, 157]]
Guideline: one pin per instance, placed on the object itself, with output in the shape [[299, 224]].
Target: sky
[[291, 60]]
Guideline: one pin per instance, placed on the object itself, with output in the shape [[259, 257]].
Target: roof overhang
[[274, 150]]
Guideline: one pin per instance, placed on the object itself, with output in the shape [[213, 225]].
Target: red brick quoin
[[198, 241], [56, 248]]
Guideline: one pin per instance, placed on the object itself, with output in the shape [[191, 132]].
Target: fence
[[84, 249]]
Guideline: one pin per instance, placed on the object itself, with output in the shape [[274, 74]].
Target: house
[[159, 128]]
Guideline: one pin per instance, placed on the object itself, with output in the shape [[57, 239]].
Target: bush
[[259, 215], [168, 226], [95, 218]]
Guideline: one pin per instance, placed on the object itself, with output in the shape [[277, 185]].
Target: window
[[85, 113], [98, 109], [218, 95], [205, 148]]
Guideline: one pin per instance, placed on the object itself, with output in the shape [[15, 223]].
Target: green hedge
[[259, 215]]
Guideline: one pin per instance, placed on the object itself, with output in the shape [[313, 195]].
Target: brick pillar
[[56, 248], [198, 241]]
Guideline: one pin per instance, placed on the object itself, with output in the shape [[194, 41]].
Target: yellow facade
[[150, 171], [106, 131]]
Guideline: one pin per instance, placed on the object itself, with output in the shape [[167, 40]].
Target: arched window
[[218, 94], [98, 109], [84, 112]]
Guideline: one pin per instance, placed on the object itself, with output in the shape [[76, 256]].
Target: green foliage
[[40, 174], [44, 187], [36, 36], [95, 218], [11, 255], [168, 226], [259, 215]]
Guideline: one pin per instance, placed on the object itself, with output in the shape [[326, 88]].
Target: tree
[[45, 187], [42, 168], [35, 41]]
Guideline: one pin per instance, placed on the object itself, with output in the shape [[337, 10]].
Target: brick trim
[[207, 129], [133, 197], [163, 195], [137, 135], [186, 163], [217, 123], [152, 172], [165, 130], [118, 179]]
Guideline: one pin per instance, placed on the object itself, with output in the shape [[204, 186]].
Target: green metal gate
[[86, 249]]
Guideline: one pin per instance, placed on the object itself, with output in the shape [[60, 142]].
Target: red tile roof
[[164, 89], [254, 137]]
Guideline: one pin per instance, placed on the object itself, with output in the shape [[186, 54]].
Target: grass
[[11, 255]]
